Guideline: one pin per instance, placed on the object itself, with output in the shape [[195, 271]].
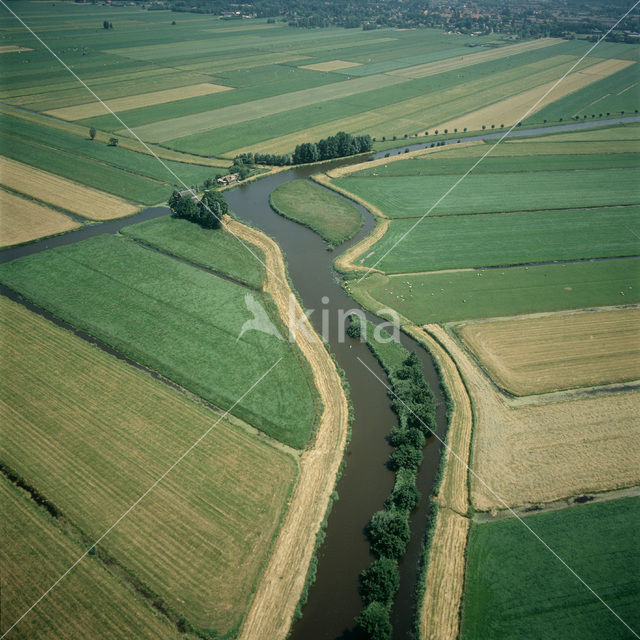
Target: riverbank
[[273, 607]]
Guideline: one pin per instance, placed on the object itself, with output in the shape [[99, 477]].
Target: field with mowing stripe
[[60, 192], [509, 111], [540, 354], [82, 111], [22, 220], [35, 552], [92, 434], [178, 320], [214, 249], [413, 196], [506, 239], [85, 171], [318, 208], [488, 293], [515, 587]]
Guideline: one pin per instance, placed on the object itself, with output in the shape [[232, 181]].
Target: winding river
[[366, 482]]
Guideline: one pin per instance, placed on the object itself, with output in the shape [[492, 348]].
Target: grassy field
[[506, 597], [317, 208], [511, 110], [540, 354], [413, 196], [217, 250], [60, 192], [92, 434], [35, 552], [487, 293], [178, 320], [85, 171], [80, 144], [91, 109], [22, 220], [505, 239]]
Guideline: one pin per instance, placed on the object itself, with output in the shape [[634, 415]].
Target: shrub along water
[[388, 530]]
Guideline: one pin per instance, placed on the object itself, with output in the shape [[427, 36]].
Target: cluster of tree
[[338, 146], [272, 159], [107, 25], [388, 530], [206, 211]]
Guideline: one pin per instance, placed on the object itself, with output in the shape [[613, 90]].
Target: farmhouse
[[228, 179]]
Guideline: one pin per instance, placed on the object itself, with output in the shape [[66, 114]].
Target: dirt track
[[279, 590], [445, 573]]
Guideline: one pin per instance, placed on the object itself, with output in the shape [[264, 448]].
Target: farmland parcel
[[79, 425], [178, 320]]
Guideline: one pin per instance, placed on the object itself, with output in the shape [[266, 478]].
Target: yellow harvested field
[[544, 448], [439, 618], [515, 108], [35, 552], [560, 351], [91, 109], [449, 64], [12, 48], [93, 434], [331, 65], [22, 220], [60, 192], [440, 615]]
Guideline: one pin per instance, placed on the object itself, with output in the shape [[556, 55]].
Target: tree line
[[339, 146], [388, 530]]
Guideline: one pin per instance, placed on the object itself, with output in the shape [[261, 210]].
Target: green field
[[413, 196], [35, 552], [506, 239], [439, 164], [92, 434], [515, 587], [178, 320], [487, 293], [139, 163], [95, 174], [329, 215], [213, 249], [619, 92]]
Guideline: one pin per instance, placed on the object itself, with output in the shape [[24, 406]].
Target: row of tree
[[338, 146], [388, 530], [206, 211]]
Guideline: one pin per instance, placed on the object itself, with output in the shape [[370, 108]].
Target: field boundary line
[[506, 133], [117, 117], [145, 494], [507, 507]]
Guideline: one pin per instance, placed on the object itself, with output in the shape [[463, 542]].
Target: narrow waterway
[[366, 482]]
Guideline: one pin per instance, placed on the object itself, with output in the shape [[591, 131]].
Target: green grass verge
[[178, 320], [329, 215], [214, 249], [515, 588], [413, 196], [445, 297], [453, 242]]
